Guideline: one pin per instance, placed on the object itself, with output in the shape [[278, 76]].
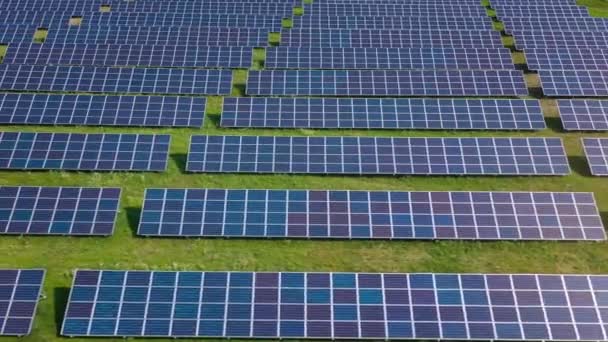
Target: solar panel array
[[577, 83], [19, 293], [79, 151], [164, 19], [130, 55], [596, 150], [390, 23], [584, 115], [336, 305], [345, 113], [560, 39], [58, 211], [561, 23], [567, 59], [370, 215], [388, 156]]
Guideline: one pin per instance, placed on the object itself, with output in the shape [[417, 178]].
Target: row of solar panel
[[512, 24], [343, 113], [308, 214], [80, 8], [277, 57]]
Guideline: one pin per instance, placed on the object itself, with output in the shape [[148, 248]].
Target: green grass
[[298, 11], [61, 255]]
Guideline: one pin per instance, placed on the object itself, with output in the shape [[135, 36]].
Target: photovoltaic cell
[[394, 23], [17, 33], [583, 115], [589, 83], [204, 8], [542, 11], [187, 19], [19, 293], [554, 24], [345, 113], [596, 150], [401, 10], [520, 307], [567, 59], [560, 39], [150, 111], [58, 211], [34, 18], [390, 38], [387, 83], [370, 215], [115, 80], [387, 58], [190, 36], [76, 151], [379, 155], [129, 55]]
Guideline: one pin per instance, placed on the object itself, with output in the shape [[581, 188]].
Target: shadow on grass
[[61, 302], [214, 119], [579, 165], [604, 217], [536, 92], [554, 124], [239, 89], [180, 159], [133, 215]]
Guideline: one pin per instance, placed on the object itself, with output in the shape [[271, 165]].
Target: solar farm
[[304, 169]]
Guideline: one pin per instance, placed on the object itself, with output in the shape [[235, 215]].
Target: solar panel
[[587, 83], [405, 10], [204, 8], [560, 39], [130, 55], [17, 33], [161, 35], [394, 23], [385, 113], [115, 80], [30, 17], [554, 24], [387, 58], [58, 211], [377, 155], [146, 111], [370, 215], [542, 11], [390, 38], [567, 59], [19, 293], [336, 305], [583, 115], [386, 82], [596, 150], [186, 19], [76, 151]]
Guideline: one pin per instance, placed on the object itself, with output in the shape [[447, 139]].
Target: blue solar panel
[[150, 111], [115, 80], [370, 215], [588, 83], [76, 151], [394, 23], [560, 39], [385, 113], [387, 58], [405, 10], [554, 24], [35, 18], [129, 55], [387, 83], [206, 8], [542, 11], [389, 306], [190, 36], [596, 150], [583, 115], [187, 19], [390, 38], [58, 211], [567, 59], [17, 33], [20, 290], [389, 156]]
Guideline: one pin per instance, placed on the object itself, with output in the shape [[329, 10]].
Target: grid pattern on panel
[[387, 82], [542, 11], [161, 35], [390, 38], [555, 23], [29, 17], [382, 113], [19, 293], [394, 10], [152, 111], [336, 305], [394, 23], [76, 151], [596, 151], [115, 80], [370, 215], [58, 211], [66, 7], [389, 156], [583, 115], [186, 19], [589, 83], [387, 58], [560, 39], [206, 8], [567, 59], [17, 34], [130, 55]]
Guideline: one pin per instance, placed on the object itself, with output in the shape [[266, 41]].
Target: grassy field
[[61, 255]]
